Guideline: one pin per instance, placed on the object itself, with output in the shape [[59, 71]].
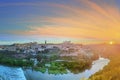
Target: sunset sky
[[81, 21]]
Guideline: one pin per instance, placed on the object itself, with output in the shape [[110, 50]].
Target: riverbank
[[13, 73], [110, 72], [36, 75], [15, 62]]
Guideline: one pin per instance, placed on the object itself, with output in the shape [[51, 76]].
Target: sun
[[111, 42]]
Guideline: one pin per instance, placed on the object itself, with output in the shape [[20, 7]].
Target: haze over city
[[80, 21]]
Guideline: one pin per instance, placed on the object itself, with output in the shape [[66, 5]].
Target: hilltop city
[[67, 48]]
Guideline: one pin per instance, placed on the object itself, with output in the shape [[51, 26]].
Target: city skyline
[[80, 21]]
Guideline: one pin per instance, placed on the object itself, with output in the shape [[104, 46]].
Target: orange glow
[[111, 42], [100, 22]]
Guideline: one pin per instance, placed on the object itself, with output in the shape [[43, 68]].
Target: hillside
[[112, 70]]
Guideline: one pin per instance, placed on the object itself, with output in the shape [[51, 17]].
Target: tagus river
[[10, 73]]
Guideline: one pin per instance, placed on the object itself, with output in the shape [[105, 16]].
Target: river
[[96, 66], [10, 73]]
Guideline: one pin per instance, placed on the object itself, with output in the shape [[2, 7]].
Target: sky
[[80, 21]]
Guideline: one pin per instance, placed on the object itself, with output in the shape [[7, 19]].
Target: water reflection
[[72, 74]]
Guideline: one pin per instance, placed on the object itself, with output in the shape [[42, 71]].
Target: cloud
[[21, 4], [97, 20]]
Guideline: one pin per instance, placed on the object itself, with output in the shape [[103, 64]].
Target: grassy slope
[[112, 70]]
